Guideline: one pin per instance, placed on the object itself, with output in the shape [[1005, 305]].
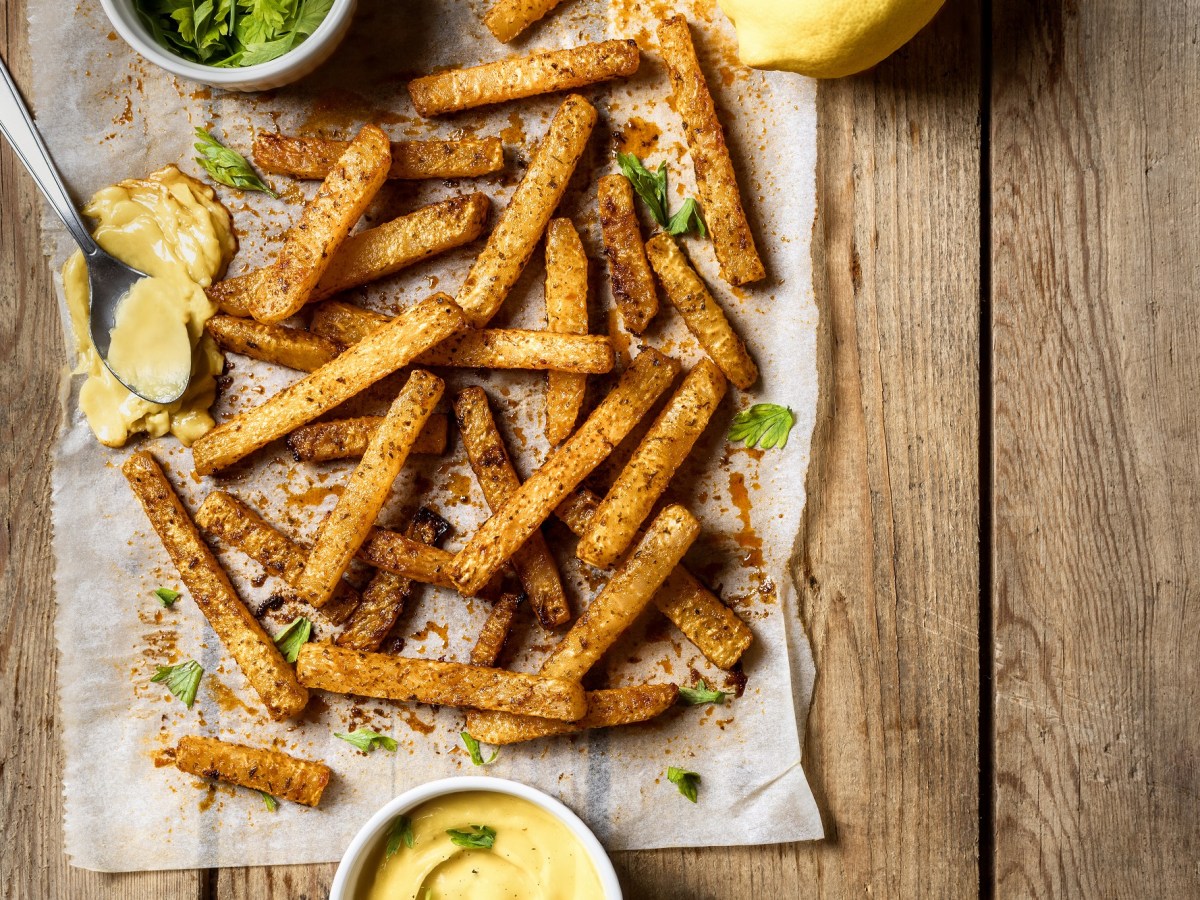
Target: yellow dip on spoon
[[172, 228]]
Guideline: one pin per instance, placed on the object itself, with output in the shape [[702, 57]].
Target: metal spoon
[[109, 279]]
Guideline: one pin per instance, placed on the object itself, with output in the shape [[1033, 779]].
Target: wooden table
[[1001, 559]]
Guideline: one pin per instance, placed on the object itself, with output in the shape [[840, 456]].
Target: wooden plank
[[1095, 194], [32, 861], [889, 559]]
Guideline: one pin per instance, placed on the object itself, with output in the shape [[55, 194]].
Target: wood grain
[[1097, 470]]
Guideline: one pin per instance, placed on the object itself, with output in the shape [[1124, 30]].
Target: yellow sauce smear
[[534, 857], [172, 228]]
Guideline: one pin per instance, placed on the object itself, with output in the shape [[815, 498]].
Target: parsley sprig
[[473, 837], [687, 782], [182, 680], [764, 424], [367, 740], [166, 596], [473, 748], [231, 33], [652, 188], [227, 166], [293, 637], [695, 696], [401, 832]]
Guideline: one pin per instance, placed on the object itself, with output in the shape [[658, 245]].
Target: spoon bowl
[[109, 279]]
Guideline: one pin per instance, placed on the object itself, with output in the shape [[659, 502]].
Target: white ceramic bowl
[[345, 882], [293, 65]]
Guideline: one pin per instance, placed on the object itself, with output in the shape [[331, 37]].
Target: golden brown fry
[[632, 282], [271, 771], [652, 465], [566, 313], [605, 709], [490, 461], [227, 518], [494, 633], [415, 330], [514, 348], [315, 157], [716, 181], [348, 438], [524, 76], [324, 224], [514, 238], [346, 527], [291, 347], [251, 647], [508, 528], [508, 18], [395, 553], [701, 312], [331, 668], [385, 596], [486, 348], [626, 594], [713, 627], [375, 252]]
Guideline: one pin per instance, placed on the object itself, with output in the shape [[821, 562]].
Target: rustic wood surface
[[1053, 255]]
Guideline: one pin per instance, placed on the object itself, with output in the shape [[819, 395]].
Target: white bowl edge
[[351, 865]]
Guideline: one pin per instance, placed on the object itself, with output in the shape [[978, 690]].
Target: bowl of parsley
[[238, 45]]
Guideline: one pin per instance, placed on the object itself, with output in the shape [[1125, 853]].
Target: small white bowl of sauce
[[478, 837]]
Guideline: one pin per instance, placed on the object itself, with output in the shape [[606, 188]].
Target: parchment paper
[[107, 115]]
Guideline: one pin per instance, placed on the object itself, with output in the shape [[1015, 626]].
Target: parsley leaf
[[166, 596], [400, 833], [181, 680], [687, 218], [699, 695], [765, 424], [291, 639], [652, 188], [473, 749], [366, 740], [226, 166], [687, 782], [478, 837], [271, 802]]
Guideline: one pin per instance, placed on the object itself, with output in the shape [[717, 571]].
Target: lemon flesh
[[824, 38]]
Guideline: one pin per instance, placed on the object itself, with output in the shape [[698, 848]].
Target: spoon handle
[[17, 125]]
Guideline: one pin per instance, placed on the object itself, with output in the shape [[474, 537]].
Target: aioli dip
[[172, 228], [535, 856]]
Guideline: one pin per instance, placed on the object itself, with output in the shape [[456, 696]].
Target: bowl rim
[[124, 18], [375, 826]]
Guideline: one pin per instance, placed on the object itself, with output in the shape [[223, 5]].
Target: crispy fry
[[512, 241], [632, 282], [524, 76], [652, 465], [315, 157], [626, 594], [490, 461], [395, 553], [716, 181], [388, 349], [385, 596], [331, 668], [375, 252], [605, 709], [251, 648], [324, 223], [490, 643], [514, 348], [713, 627], [348, 438], [291, 347], [225, 517], [566, 313], [258, 768], [703, 315], [487, 348], [508, 18], [349, 522], [508, 528]]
